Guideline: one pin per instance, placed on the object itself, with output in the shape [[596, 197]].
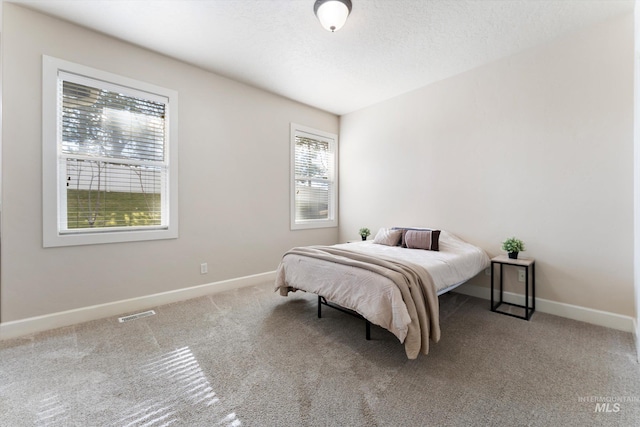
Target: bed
[[392, 285]]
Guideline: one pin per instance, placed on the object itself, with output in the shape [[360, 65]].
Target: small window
[[313, 178], [109, 157]]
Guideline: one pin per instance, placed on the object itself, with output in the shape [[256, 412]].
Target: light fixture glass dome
[[332, 13]]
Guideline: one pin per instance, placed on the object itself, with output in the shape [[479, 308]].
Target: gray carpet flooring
[[250, 357]]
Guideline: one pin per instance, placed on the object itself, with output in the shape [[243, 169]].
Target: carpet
[[250, 357]]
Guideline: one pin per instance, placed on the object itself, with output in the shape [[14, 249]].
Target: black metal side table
[[529, 265]]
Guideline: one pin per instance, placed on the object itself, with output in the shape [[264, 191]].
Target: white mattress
[[377, 298], [457, 261]]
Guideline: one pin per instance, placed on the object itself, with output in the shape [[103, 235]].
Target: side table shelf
[[529, 265]]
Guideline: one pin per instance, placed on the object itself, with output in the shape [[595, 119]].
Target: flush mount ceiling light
[[332, 13]]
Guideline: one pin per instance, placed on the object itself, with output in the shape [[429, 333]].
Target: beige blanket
[[414, 283]]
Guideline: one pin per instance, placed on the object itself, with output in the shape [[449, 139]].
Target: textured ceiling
[[386, 48]]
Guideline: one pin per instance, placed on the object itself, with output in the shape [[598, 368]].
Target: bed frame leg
[[323, 300]]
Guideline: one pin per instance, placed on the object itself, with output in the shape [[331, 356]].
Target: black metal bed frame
[[323, 301]]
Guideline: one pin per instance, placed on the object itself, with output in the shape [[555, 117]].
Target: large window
[[109, 157], [313, 178]]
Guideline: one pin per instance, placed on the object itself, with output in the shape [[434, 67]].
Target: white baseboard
[[575, 312], [637, 339], [32, 325], [65, 318]]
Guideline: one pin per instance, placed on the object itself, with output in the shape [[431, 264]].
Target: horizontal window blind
[[103, 195], [103, 123], [112, 156], [312, 200], [314, 158]]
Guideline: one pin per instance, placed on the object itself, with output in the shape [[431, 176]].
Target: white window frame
[[332, 220], [53, 194]]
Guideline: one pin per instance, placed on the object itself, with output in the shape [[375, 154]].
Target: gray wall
[[234, 178], [538, 145]]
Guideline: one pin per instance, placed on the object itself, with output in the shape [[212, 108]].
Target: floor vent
[[136, 316]]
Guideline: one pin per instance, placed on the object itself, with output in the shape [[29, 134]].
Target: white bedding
[[375, 297], [456, 261]]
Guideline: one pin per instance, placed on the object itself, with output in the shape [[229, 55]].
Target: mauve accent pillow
[[421, 239], [389, 237]]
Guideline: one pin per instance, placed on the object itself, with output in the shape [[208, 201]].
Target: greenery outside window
[[313, 178], [109, 157]]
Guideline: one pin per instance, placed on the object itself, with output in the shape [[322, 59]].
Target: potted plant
[[364, 233], [513, 246]]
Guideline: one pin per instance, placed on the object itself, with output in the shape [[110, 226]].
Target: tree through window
[[314, 184], [114, 155], [113, 150]]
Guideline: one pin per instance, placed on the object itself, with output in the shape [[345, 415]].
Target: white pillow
[[387, 236]]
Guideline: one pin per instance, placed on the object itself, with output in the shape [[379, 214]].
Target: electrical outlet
[[487, 272], [521, 275], [203, 268]]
